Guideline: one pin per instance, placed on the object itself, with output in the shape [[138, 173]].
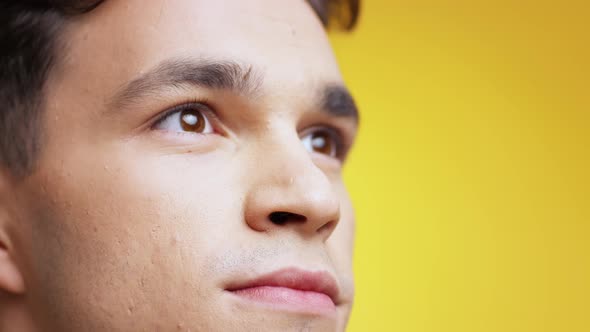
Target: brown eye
[[321, 141], [192, 120], [185, 119]]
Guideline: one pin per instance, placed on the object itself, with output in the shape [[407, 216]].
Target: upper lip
[[294, 278]]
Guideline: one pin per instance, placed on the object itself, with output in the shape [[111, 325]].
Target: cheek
[[341, 243], [340, 249], [127, 236]]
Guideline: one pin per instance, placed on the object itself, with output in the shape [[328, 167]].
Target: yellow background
[[471, 173]]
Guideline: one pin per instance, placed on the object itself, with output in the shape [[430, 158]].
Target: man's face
[[191, 148]]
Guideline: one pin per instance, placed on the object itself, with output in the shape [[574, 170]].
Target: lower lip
[[289, 299]]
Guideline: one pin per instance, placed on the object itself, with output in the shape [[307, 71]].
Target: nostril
[[327, 227], [281, 217]]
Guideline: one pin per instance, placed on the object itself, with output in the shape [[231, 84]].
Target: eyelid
[[342, 145], [201, 105]]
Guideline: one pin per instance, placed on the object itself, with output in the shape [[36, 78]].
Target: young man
[[173, 166]]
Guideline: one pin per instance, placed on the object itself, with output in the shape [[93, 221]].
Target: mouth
[[292, 290]]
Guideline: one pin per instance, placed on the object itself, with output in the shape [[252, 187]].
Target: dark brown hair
[[28, 33]]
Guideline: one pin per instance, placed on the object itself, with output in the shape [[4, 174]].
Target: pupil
[[318, 142], [192, 121], [322, 144]]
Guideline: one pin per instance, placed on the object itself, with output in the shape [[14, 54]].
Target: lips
[[292, 290]]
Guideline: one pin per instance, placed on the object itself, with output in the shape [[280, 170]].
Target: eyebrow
[[220, 75], [211, 74], [338, 102]]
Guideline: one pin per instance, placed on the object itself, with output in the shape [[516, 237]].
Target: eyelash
[[335, 133], [202, 105], [342, 147]]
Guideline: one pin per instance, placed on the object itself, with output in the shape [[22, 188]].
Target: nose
[[289, 192]]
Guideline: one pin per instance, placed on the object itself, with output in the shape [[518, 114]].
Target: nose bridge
[[285, 180]]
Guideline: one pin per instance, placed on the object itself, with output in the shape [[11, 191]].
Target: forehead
[[123, 38]]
